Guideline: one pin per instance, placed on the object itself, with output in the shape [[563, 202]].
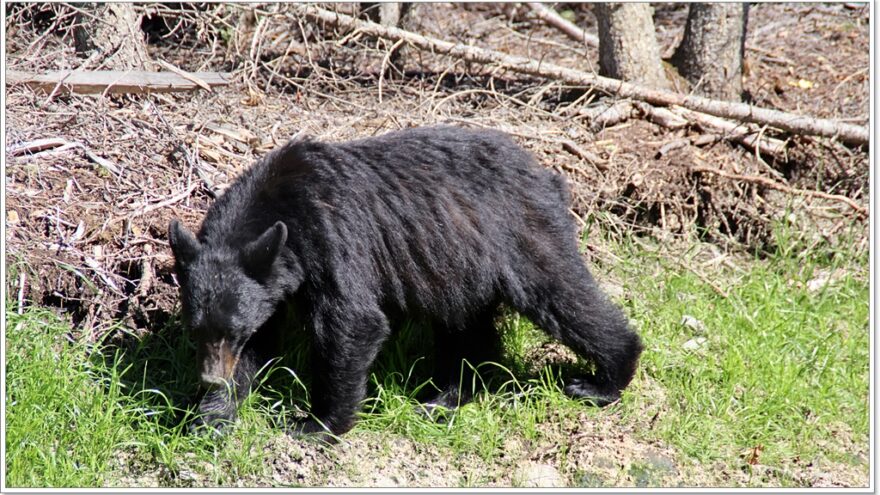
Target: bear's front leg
[[346, 344]]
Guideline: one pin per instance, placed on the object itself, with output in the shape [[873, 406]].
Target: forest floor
[[753, 303]]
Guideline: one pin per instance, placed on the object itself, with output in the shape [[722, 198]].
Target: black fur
[[440, 223]]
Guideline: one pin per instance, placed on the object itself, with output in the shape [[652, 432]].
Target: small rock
[[540, 475], [660, 462], [823, 278], [382, 481], [187, 476], [693, 323], [694, 344], [613, 290], [642, 475], [513, 448], [590, 479], [604, 462]]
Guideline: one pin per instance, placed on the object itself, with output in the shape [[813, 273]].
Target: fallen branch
[[56, 145], [743, 134], [605, 114], [662, 116], [186, 75], [862, 212], [573, 148], [746, 134], [550, 16], [99, 82], [147, 208], [797, 124]]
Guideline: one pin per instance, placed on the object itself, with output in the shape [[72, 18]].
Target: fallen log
[[793, 123], [99, 82]]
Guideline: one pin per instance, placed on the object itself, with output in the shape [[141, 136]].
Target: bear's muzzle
[[218, 362]]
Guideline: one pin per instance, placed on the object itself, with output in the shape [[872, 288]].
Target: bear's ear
[[184, 245], [258, 255]]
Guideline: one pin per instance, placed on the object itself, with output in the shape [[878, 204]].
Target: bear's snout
[[218, 363]]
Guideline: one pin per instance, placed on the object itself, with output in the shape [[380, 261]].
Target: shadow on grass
[[160, 371]]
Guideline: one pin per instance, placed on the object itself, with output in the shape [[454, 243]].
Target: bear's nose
[[211, 379]]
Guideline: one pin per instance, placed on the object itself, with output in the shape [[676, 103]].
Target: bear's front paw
[[433, 411], [212, 424], [310, 429]]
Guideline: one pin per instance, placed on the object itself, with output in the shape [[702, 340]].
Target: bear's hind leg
[[457, 354], [575, 311]]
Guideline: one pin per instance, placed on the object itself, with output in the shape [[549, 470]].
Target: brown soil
[[94, 243]]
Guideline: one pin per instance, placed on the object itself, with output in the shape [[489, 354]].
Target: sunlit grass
[[783, 367]]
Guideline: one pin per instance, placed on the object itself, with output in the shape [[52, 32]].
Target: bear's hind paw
[[582, 388], [311, 430]]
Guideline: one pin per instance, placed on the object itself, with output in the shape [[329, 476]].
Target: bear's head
[[226, 294]]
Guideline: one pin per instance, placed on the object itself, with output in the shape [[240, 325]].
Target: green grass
[[783, 367]]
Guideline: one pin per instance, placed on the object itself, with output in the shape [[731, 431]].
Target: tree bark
[[115, 40], [628, 47], [392, 14], [710, 55], [385, 13]]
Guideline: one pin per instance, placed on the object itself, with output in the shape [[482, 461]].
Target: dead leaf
[[694, 324], [254, 98], [210, 155], [752, 455], [694, 344], [236, 134]]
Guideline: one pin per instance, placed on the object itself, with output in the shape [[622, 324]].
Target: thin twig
[[186, 75], [385, 61], [162, 204], [22, 279], [550, 16], [718, 290]]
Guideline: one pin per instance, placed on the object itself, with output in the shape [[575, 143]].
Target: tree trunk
[[392, 14], [710, 55], [113, 39], [385, 13], [628, 47]]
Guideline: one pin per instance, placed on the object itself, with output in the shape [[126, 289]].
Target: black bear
[[439, 223]]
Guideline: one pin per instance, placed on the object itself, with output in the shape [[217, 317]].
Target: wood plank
[[97, 82]]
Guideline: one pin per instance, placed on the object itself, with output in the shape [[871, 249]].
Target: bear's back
[[422, 215]]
